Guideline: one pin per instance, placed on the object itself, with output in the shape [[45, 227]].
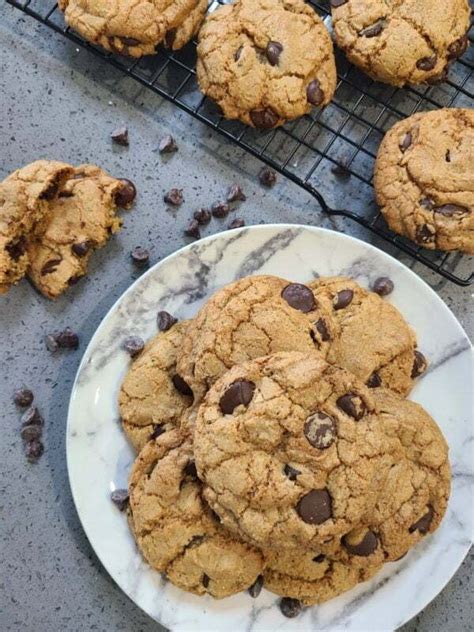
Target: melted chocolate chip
[[353, 405], [50, 192], [235, 194], [165, 320], [120, 498], [291, 472], [190, 469], [427, 63], [364, 547], [240, 393], [273, 52], [125, 196], [81, 249], [427, 204], [320, 430], [167, 145], [374, 380], [23, 397], [319, 558], [383, 286], [424, 234], [405, 142], [314, 94], [120, 136], [264, 119], [130, 41], [170, 38], [205, 581], [420, 364], [449, 210], [343, 299], [181, 385], [458, 48], [447, 156], [220, 209], [133, 345], [338, 3], [16, 248], [157, 431], [50, 266], [256, 588], [299, 297], [315, 506], [238, 53], [374, 29], [322, 328], [202, 216], [423, 524], [174, 197]]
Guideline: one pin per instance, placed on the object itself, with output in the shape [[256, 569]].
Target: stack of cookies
[[275, 445]]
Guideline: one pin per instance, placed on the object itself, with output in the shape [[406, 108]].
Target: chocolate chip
[[205, 581], [140, 256], [256, 588], [405, 142], [353, 405], [31, 432], [65, 194], [157, 431], [203, 216], [50, 192], [120, 136], [125, 196], [192, 229], [174, 197], [420, 364], [51, 343], [457, 48], [341, 169], [120, 498], [427, 63], [23, 397], [315, 506], [267, 177], [50, 266], [33, 450], [170, 38], [322, 328], [220, 209], [181, 385], [16, 248], [67, 339], [238, 53], [133, 345], [235, 194], [299, 297], [319, 558], [238, 222], [365, 547], [314, 94], [75, 279], [291, 472], [374, 29], [290, 607], [264, 119], [165, 320], [374, 380], [190, 469], [81, 249], [383, 286], [343, 299], [32, 416], [320, 430], [427, 204], [167, 145], [273, 52], [338, 3], [423, 524], [424, 234], [239, 393], [447, 156], [449, 210]]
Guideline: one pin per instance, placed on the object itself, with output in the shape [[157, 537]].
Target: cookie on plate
[[151, 397], [176, 531], [251, 317], [135, 27], [265, 62], [289, 451], [372, 339], [25, 198], [410, 41], [424, 179], [81, 219]]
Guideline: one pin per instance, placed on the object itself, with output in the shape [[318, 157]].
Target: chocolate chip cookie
[[265, 62], [289, 451], [424, 179], [176, 531], [25, 196], [149, 398], [81, 219], [135, 27], [372, 339], [249, 318], [409, 41]]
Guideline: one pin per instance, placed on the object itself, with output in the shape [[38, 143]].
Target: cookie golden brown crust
[[424, 179], [409, 41], [266, 61]]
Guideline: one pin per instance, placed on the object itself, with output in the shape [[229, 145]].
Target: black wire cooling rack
[[338, 142]]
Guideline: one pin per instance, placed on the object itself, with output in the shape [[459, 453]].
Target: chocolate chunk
[[31, 432], [140, 257], [365, 547], [157, 431], [238, 53], [290, 607], [192, 229], [320, 430], [125, 196], [239, 393], [423, 524], [81, 249], [190, 469], [291, 472], [319, 558], [458, 48], [299, 297], [16, 248], [374, 380], [273, 52], [51, 343], [449, 210], [235, 194], [405, 142], [205, 581], [50, 266], [23, 397], [181, 385], [314, 94], [50, 192], [424, 234], [67, 339], [33, 450], [133, 345], [174, 197], [167, 145], [420, 364], [203, 216], [120, 136], [343, 299], [338, 3], [264, 119], [353, 405], [383, 286], [170, 38], [32, 416], [120, 498], [315, 506], [256, 588], [267, 177], [238, 222], [220, 209], [427, 63], [165, 320], [322, 328], [374, 29]]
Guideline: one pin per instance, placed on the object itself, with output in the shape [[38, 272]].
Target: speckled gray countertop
[[59, 102]]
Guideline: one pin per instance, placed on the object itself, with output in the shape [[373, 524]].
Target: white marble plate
[[99, 457]]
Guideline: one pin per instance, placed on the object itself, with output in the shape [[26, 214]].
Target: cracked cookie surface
[[135, 27], [82, 218], [148, 398], [25, 197], [176, 531], [289, 452], [266, 61], [424, 179], [371, 338], [402, 41]]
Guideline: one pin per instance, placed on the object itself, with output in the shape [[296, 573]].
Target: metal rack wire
[[339, 142]]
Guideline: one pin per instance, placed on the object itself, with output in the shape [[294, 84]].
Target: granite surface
[[59, 102]]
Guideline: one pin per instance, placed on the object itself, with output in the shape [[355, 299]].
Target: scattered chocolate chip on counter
[[167, 145], [51, 343], [238, 222], [235, 194], [290, 607], [192, 229], [133, 345], [67, 339], [202, 216], [31, 432], [140, 257], [267, 176], [23, 397], [383, 286], [220, 209], [120, 136], [174, 197], [165, 320], [341, 169], [33, 450], [120, 498]]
